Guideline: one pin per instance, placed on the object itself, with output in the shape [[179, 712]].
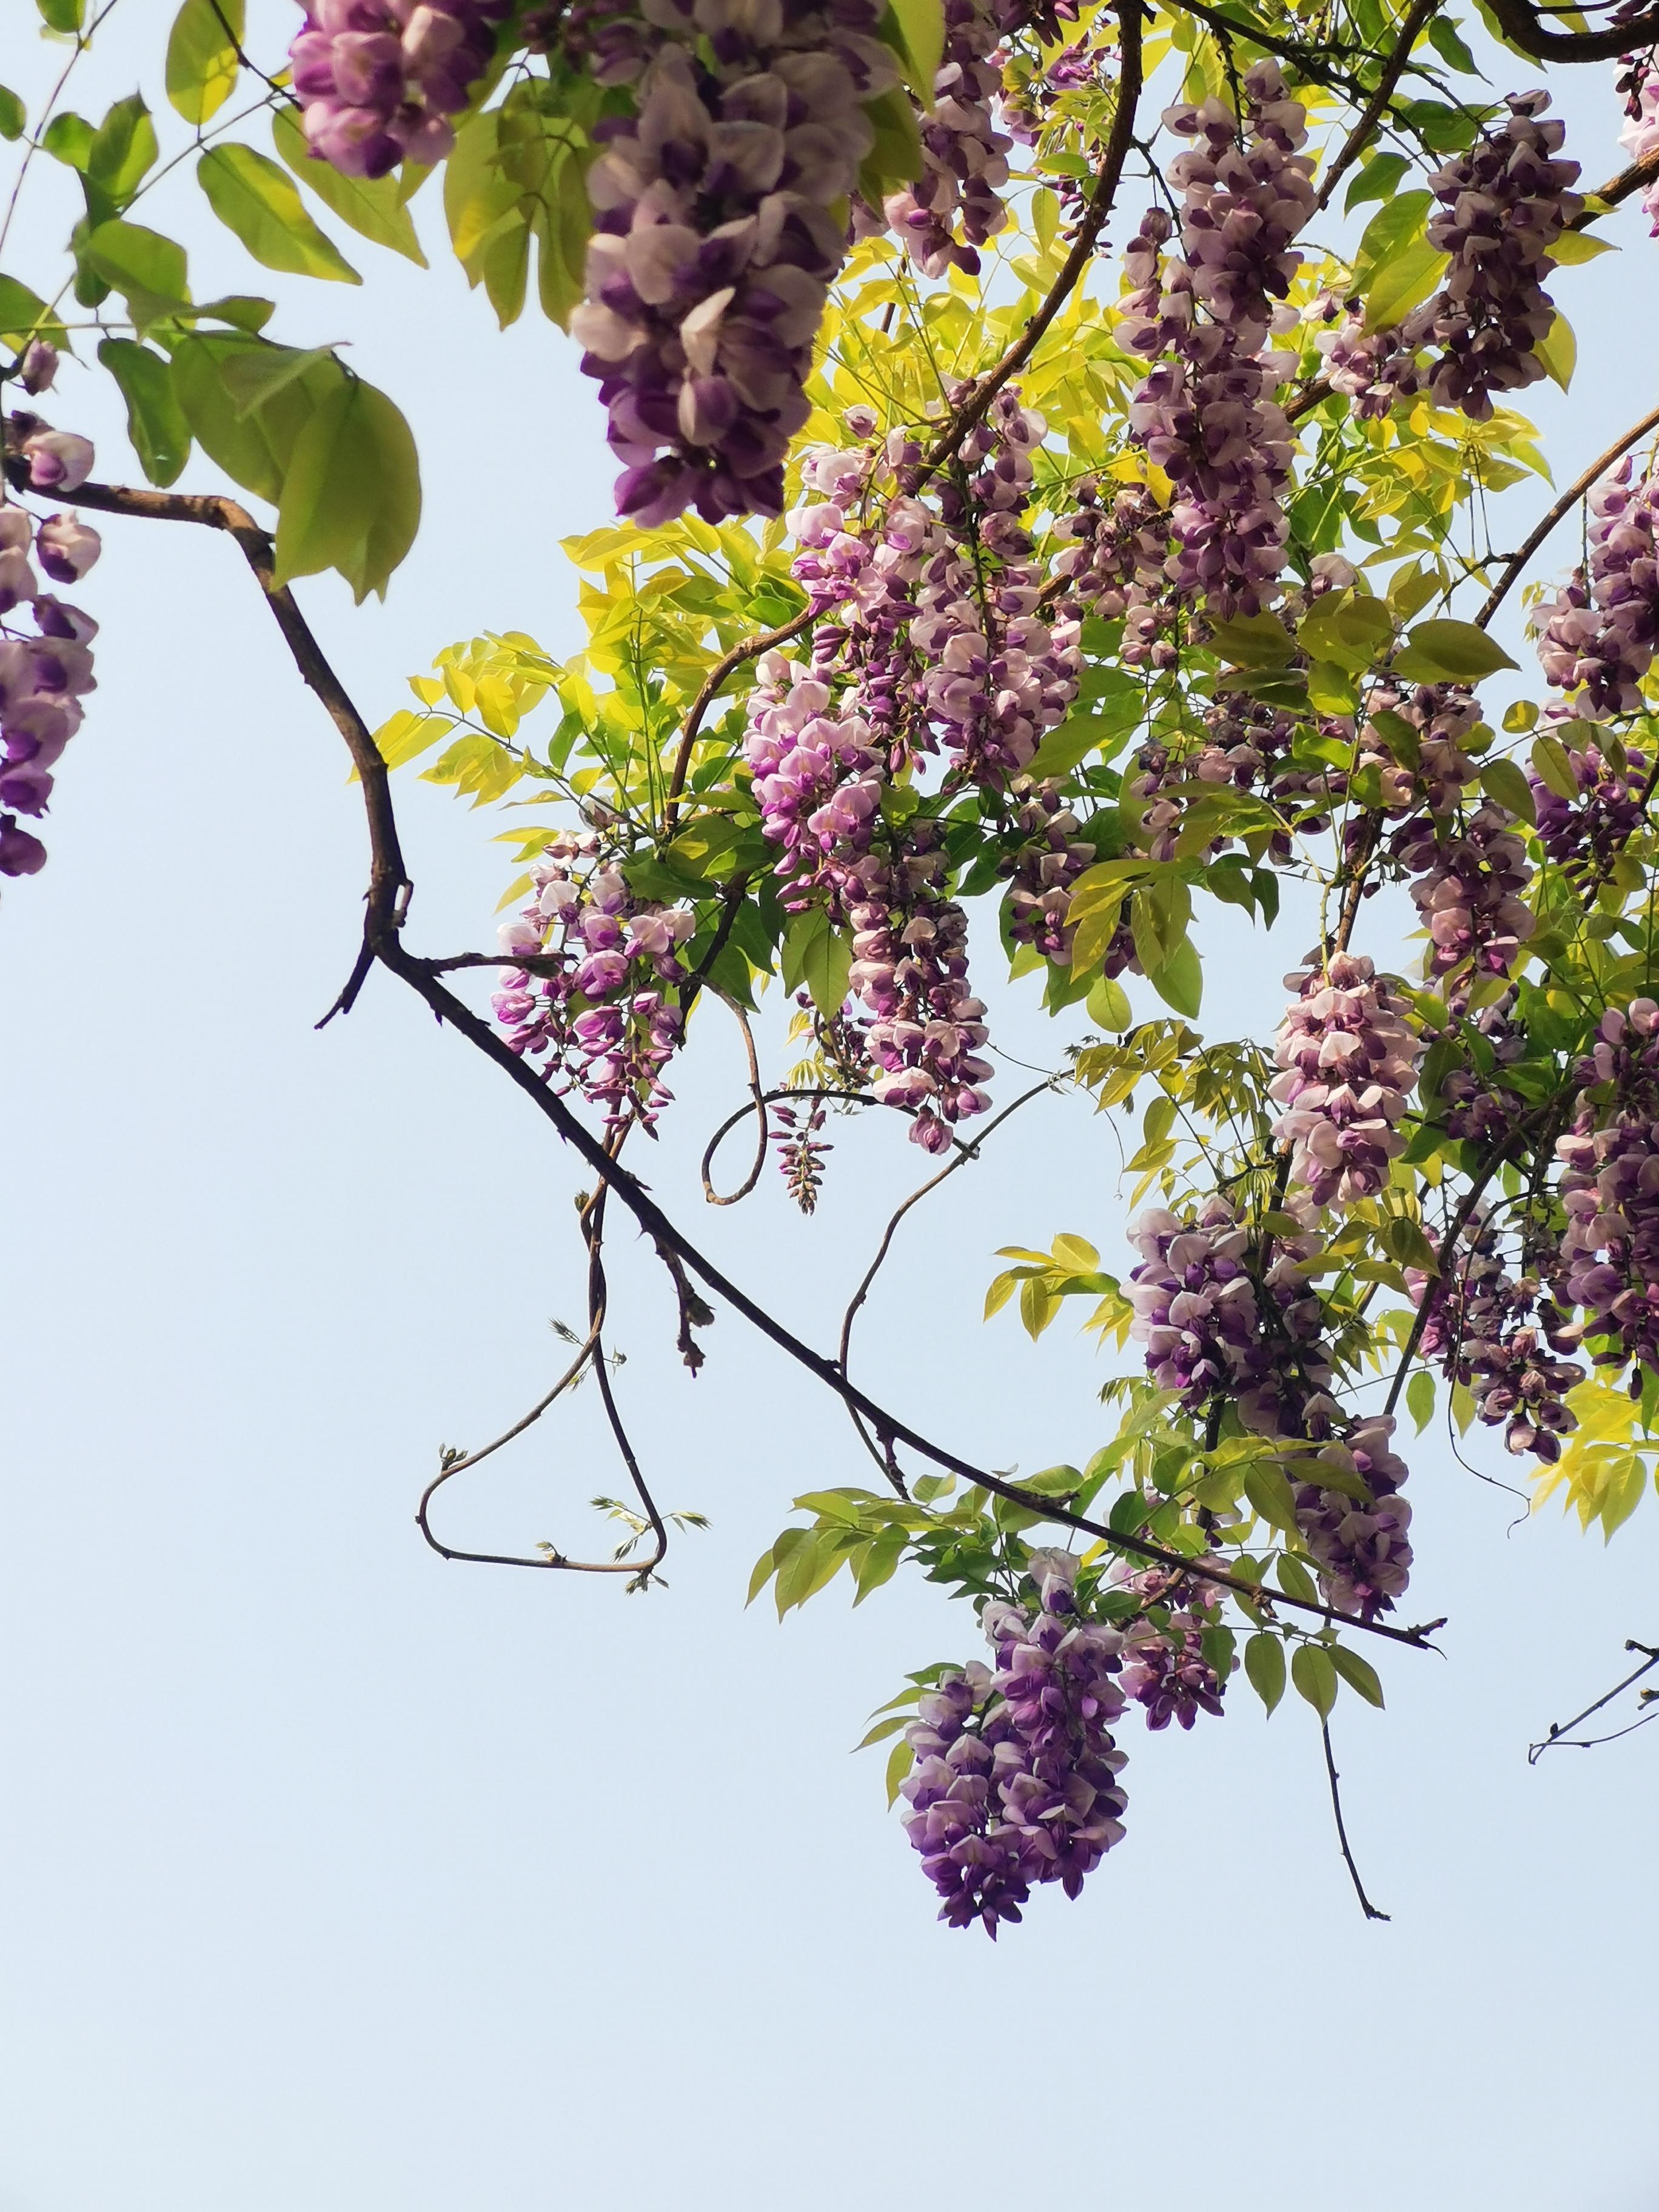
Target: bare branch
[[1568, 500], [1366, 1906], [1560, 1731]]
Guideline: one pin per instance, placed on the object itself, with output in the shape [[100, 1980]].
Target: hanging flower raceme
[[1502, 1338], [1372, 368], [965, 155], [1044, 869], [1609, 1257], [46, 665], [1640, 135], [714, 242], [603, 1016], [1504, 204], [1015, 1782], [1601, 630], [1471, 892], [1348, 1063], [1207, 415], [379, 79], [1164, 1669], [1228, 1314], [1360, 1544]]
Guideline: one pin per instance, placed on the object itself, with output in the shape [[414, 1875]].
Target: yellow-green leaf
[[261, 203], [202, 64], [371, 205]]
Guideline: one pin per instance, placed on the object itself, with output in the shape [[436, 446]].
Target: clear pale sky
[[332, 1876]]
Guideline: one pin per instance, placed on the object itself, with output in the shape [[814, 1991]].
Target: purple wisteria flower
[[1504, 206], [46, 664], [1015, 1781], [1601, 629], [1348, 1063], [602, 1017], [1609, 1255], [379, 80]]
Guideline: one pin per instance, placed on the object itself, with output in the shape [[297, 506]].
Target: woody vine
[[1051, 443]]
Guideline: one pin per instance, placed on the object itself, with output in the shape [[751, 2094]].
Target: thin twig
[[748, 648], [1558, 1729], [1568, 500], [1366, 1906], [1360, 135]]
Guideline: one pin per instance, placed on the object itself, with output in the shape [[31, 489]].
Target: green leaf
[[67, 138], [155, 423], [765, 1568], [1314, 1677], [1404, 283], [896, 157], [25, 315], [370, 204], [902, 1759], [1358, 1674], [254, 197], [1064, 748], [1442, 37], [1294, 1580], [1264, 1666], [880, 1562], [351, 495], [64, 16], [1449, 653], [256, 375], [1552, 768], [202, 64], [819, 957], [1108, 1005], [12, 114], [148, 270], [1180, 981], [408, 735], [1574, 246], [1391, 228], [1269, 1491], [122, 152], [1558, 351], [1377, 181], [253, 445], [922, 27], [1505, 781], [1419, 1399]]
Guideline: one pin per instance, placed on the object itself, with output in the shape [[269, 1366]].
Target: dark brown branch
[[1568, 500], [381, 927], [1376, 106], [1620, 187], [1521, 26], [388, 884], [969, 409], [1366, 1906]]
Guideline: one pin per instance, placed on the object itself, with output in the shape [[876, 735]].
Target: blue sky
[[335, 1876]]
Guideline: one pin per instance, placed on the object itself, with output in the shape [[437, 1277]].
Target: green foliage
[[201, 63], [252, 197]]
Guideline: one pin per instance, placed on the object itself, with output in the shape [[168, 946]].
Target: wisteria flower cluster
[[380, 79], [596, 1003], [1600, 630], [966, 157], [45, 663], [1609, 1255], [1015, 1780], [1348, 1063], [1206, 415], [1504, 206], [714, 242], [1504, 1339], [1583, 834]]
